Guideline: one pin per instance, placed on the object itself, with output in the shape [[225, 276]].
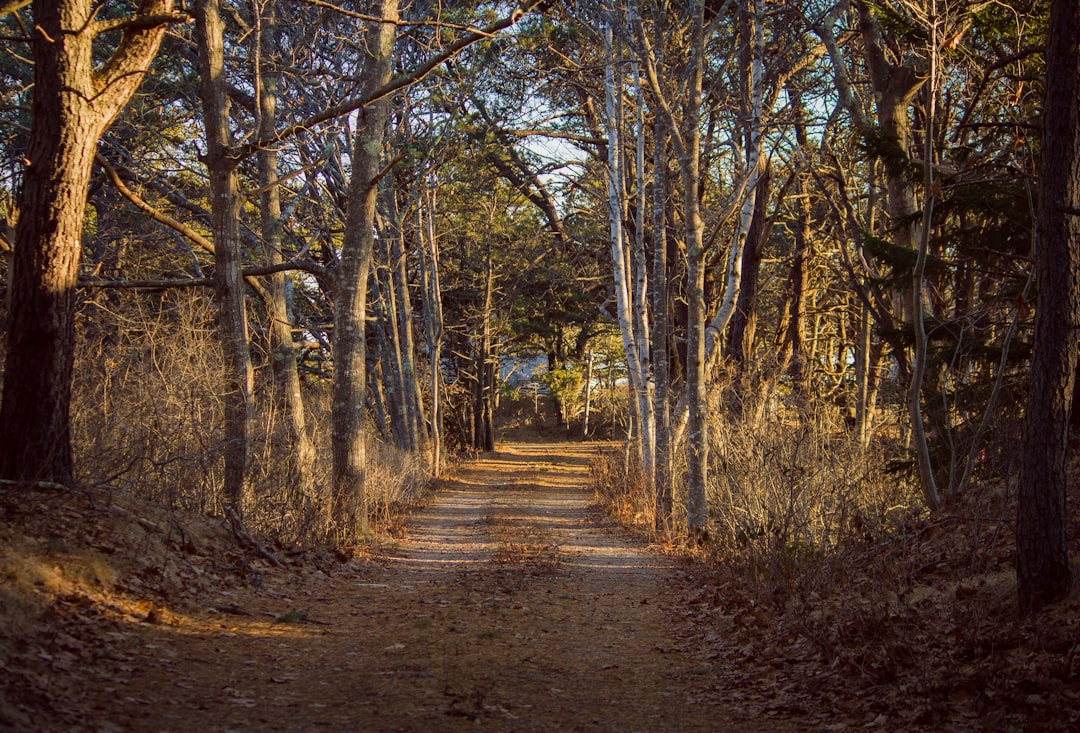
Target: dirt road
[[508, 607]]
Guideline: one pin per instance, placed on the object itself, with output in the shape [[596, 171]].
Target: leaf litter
[[508, 604]]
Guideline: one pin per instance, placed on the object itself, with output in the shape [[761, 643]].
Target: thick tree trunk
[[350, 303], [743, 329], [225, 208], [1043, 572], [73, 105]]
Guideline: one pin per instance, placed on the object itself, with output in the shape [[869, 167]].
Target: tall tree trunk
[[661, 335], [72, 107], [640, 294], [225, 208], [484, 399], [685, 136], [629, 311], [389, 341], [1043, 573], [433, 318], [404, 314], [794, 319], [350, 303], [743, 328], [931, 493], [714, 329], [286, 385], [894, 86], [694, 226]]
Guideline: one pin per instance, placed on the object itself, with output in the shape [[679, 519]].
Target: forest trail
[[509, 606]]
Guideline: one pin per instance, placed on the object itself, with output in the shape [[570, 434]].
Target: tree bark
[[350, 507], [1043, 572], [388, 337], [694, 226], [628, 272], [743, 329], [286, 385], [225, 203], [433, 318], [404, 314], [661, 335], [72, 107]]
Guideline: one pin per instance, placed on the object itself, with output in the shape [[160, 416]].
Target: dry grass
[[148, 422], [788, 493], [825, 589], [778, 493]]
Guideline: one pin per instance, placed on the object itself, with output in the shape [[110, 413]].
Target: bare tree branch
[[11, 6], [162, 218], [140, 22], [399, 82]]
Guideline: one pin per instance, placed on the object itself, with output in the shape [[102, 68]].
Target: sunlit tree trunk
[[225, 208], [433, 318], [640, 292], [685, 136], [286, 384], [750, 374], [629, 286], [744, 198], [661, 335], [350, 307], [414, 417], [689, 168], [388, 337], [754, 142], [73, 104]]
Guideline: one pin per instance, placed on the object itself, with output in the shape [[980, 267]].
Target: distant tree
[[77, 95], [1042, 562]]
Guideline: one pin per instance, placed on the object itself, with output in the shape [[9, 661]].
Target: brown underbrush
[[148, 421], [825, 590]]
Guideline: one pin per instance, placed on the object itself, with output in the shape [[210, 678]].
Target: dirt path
[[509, 607]]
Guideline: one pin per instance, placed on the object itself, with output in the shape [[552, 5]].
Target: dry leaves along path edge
[[511, 605]]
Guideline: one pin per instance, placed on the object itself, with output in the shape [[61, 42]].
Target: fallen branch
[[244, 537]]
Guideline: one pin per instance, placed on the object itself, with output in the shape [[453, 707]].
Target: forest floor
[[509, 603]]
